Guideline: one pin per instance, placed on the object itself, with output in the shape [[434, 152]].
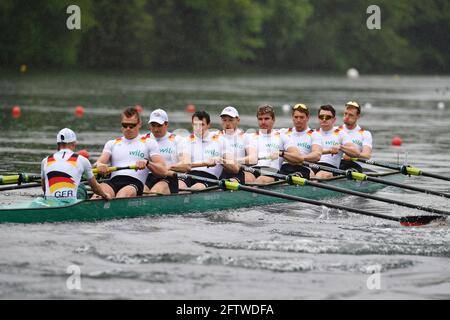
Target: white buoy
[[367, 105], [441, 105], [352, 73], [286, 108]]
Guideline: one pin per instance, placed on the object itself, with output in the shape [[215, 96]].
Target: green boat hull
[[197, 202]]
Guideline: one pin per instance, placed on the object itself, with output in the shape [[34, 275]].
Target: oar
[[231, 185], [32, 185], [19, 178], [361, 177], [112, 169], [292, 179], [25, 178], [406, 170], [21, 186]]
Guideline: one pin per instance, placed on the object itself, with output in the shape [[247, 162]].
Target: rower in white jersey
[[130, 149], [172, 149], [360, 137], [62, 171], [335, 142], [307, 140], [237, 145], [207, 152], [270, 145]]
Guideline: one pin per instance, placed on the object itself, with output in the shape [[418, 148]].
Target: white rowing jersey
[[125, 152], [202, 149], [171, 147], [359, 136], [303, 140], [62, 172], [267, 145], [235, 143], [333, 138]]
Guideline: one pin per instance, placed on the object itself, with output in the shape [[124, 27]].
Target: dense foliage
[[312, 35]]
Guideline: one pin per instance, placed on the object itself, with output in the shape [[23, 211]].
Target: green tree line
[[311, 35]]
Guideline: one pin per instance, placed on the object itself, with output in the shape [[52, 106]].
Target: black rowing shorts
[[240, 176], [190, 182], [257, 174], [119, 182], [348, 164], [154, 179], [300, 171], [325, 165]]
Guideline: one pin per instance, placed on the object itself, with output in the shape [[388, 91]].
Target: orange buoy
[[79, 111], [16, 112], [84, 153], [190, 108], [23, 68], [396, 141], [138, 108]]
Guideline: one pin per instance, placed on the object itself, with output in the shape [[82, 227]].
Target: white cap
[[66, 136], [230, 111], [159, 116]]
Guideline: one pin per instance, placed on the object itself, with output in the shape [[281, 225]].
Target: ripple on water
[[353, 247]]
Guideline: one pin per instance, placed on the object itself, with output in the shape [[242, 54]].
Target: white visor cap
[[66, 136], [230, 111], [158, 116]]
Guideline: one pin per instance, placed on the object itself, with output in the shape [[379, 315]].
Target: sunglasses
[[300, 106], [325, 117], [129, 125]]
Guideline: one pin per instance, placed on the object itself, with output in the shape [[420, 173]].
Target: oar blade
[[417, 221]]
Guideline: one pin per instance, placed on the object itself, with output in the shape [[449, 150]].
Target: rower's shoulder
[[339, 131], [114, 141], [364, 130], [285, 130], [216, 135], [146, 136]]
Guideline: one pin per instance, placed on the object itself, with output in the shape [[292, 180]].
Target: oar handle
[[19, 178], [112, 169]]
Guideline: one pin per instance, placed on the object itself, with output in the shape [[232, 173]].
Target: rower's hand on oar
[[346, 157], [212, 162], [102, 169], [171, 173], [335, 150], [141, 164]]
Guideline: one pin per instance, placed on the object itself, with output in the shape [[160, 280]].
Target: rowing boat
[[207, 200]]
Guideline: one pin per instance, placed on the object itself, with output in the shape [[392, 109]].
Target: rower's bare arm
[[199, 164], [157, 165], [251, 157], [315, 154], [293, 156], [102, 163], [229, 164], [350, 149], [97, 189], [366, 153], [184, 165]]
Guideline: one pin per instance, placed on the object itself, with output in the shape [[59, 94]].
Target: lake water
[[288, 251]]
